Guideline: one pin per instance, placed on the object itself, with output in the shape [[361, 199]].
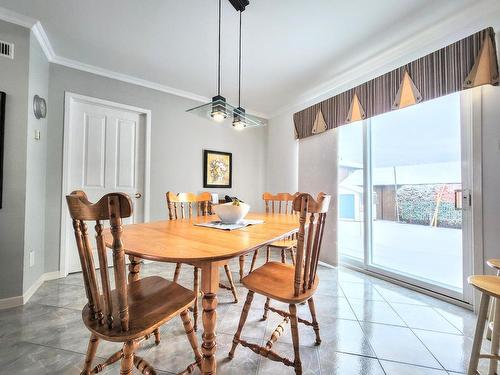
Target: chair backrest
[[312, 225], [280, 203], [181, 205], [112, 207]]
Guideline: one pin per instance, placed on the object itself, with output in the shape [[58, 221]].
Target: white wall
[[178, 140], [14, 82], [36, 160]]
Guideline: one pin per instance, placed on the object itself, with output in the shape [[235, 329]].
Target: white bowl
[[231, 214]]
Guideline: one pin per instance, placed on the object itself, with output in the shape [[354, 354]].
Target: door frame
[[69, 99], [471, 143]]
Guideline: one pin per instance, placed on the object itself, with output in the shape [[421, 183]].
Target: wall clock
[[39, 107]]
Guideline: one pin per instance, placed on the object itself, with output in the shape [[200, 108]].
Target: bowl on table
[[230, 213]]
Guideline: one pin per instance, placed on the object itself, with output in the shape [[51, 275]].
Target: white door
[[106, 154]]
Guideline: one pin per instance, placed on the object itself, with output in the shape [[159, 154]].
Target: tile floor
[[368, 326]]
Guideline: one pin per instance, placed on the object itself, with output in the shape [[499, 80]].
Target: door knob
[[138, 195]]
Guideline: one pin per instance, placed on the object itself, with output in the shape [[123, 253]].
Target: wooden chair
[[280, 203], [288, 283], [182, 206], [132, 311], [495, 264], [489, 287]]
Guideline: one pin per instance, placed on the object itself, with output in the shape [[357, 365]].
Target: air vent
[[7, 49]]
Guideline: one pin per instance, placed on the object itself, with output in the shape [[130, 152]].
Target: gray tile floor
[[368, 326]]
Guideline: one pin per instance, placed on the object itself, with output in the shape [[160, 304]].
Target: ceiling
[[289, 46]]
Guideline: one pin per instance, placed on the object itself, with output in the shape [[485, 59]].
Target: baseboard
[[326, 265], [7, 303]]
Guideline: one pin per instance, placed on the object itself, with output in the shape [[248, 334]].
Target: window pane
[[416, 167]]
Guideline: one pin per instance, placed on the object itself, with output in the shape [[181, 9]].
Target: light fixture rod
[[239, 69], [218, 64]]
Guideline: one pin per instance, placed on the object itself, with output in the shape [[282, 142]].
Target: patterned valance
[[467, 63]]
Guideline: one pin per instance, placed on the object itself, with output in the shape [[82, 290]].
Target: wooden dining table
[[181, 241]]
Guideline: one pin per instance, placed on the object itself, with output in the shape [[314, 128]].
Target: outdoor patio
[[424, 252]]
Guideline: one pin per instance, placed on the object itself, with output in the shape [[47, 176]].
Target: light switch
[[37, 134]]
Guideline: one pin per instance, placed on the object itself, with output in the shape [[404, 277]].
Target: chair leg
[[266, 308], [243, 318], [196, 288], [89, 358], [292, 255], [127, 363], [495, 339], [283, 256], [294, 325], [312, 309], [231, 283], [177, 272], [268, 254], [478, 334], [242, 266], [193, 341], [254, 258], [157, 336]]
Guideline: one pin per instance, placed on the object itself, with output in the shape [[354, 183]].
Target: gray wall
[[178, 139], [282, 152], [318, 173], [14, 81], [36, 160]]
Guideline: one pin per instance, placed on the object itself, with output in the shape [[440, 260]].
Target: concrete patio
[[423, 252]]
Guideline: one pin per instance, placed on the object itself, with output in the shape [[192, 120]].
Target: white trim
[[327, 265], [8, 303], [16, 18], [471, 19], [43, 40], [69, 98]]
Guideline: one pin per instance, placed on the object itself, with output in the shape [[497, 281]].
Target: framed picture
[[2, 134], [217, 169]]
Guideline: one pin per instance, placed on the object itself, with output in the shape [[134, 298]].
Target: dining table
[[181, 241]]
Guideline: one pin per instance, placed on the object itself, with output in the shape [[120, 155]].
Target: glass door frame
[[470, 124]]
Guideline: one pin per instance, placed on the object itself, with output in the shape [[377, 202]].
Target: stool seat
[[494, 263], [487, 284]]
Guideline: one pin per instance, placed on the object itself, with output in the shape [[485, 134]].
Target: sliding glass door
[[399, 175]]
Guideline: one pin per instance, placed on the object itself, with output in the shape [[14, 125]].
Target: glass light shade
[[219, 110]]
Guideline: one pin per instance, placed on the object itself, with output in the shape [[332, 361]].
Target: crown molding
[[471, 19], [38, 31], [40, 35]]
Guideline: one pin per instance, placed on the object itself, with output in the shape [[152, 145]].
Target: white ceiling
[[289, 46]]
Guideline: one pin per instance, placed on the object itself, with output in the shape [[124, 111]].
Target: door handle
[[138, 195], [458, 199]]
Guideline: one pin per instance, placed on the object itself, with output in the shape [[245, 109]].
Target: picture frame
[[217, 169], [3, 97]]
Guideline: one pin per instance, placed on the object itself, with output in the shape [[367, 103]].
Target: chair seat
[[152, 301], [494, 263], [487, 284], [276, 280], [284, 244]]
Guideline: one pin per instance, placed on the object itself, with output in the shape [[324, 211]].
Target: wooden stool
[[489, 287], [495, 264]]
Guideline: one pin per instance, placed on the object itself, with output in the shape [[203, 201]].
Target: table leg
[[209, 286], [134, 268]]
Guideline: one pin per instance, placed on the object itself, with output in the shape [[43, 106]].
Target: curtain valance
[[467, 63]]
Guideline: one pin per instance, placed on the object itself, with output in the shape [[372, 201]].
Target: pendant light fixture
[[219, 113], [239, 113], [218, 109]]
